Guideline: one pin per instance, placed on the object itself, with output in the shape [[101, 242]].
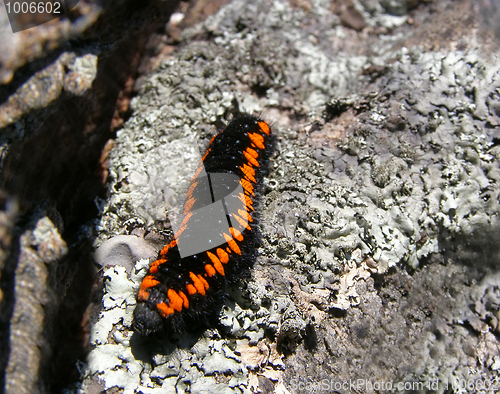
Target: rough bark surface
[[378, 260]]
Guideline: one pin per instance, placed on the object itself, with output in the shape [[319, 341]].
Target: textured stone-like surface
[[379, 215], [64, 89], [25, 46], [31, 323]]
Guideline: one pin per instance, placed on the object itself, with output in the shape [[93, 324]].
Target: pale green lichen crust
[[379, 217]]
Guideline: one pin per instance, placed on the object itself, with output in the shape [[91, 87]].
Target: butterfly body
[[215, 240]]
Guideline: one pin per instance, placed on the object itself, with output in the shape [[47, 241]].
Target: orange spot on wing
[[257, 139], [249, 169], [180, 231], [198, 284], [189, 193], [242, 222], [200, 168], [207, 152], [217, 263], [154, 266], [183, 225], [232, 244], [250, 158], [165, 249], [213, 257], [164, 309], [220, 269], [264, 127], [191, 289], [205, 283], [223, 256], [246, 200], [247, 186], [245, 215], [186, 218], [236, 234], [148, 281], [185, 301], [189, 204], [210, 270], [252, 152], [248, 172], [175, 300]]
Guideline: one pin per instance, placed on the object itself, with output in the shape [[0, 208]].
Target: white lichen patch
[[111, 361], [373, 175], [113, 364]]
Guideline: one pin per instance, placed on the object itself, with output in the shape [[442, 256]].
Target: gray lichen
[[371, 178]]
